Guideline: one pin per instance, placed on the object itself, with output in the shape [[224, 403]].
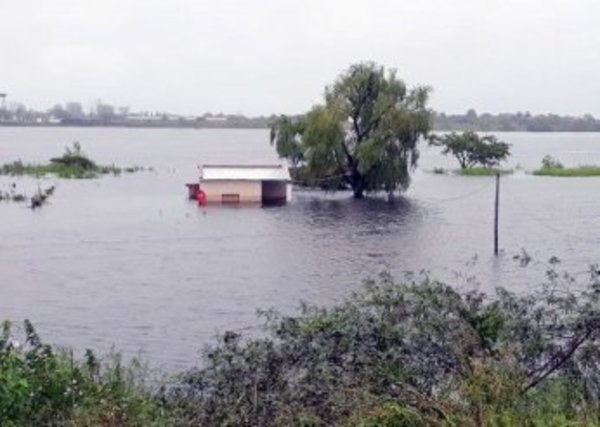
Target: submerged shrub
[[74, 157], [549, 162]]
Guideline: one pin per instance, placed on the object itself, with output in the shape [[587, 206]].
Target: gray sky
[[263, 56]]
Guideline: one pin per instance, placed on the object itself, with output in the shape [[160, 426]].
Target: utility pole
[[496, 207], [2, 106]]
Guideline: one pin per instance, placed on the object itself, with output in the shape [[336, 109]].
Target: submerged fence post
[[496, 206]]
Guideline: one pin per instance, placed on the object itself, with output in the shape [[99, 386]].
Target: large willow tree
[[365, 135]]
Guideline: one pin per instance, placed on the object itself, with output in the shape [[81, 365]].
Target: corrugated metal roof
[[244, 173]]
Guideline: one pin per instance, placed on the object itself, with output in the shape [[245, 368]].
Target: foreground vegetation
[[72, 164], [42, 386], [416, 353]]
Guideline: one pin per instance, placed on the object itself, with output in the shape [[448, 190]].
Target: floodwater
[[129, 262]]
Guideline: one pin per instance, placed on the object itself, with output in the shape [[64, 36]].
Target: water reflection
[[371, 215]]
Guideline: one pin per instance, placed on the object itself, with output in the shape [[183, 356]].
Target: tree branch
[[376, 120], [553, 364], [351, 162]]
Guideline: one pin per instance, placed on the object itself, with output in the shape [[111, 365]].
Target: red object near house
[[201, 197]]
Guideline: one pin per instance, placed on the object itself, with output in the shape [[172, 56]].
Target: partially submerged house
[[266, 184]]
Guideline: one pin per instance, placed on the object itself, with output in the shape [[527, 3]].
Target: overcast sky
[[276, 56]]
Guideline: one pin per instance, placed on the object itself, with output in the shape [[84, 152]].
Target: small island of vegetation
[[72, 164], [553, 167], [483, 171]]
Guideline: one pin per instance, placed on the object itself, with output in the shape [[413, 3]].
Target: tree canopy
[[286, 137], [471, 149], [365, 134]]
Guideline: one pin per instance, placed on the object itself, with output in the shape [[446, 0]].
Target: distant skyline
[[276, 56]]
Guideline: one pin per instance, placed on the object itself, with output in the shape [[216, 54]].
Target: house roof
[[244, 173]]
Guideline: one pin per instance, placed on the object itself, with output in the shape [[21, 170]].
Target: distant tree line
[[515, 122], [104, 114]]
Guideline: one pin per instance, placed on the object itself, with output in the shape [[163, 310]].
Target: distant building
[[143, 117], [267, 184], [216, 119]]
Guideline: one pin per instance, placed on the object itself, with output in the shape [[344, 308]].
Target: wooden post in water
[[496, 206]]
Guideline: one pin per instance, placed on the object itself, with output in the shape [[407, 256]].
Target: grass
[[72, 164], [18, 168], [553, 167], [483, 171], [472, 171], [67, 171], [579, 171]]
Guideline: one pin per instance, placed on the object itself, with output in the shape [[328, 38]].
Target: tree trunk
[[358, 185]]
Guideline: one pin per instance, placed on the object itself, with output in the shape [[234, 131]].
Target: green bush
[[409, 354], [40, 386], [395, 354]]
